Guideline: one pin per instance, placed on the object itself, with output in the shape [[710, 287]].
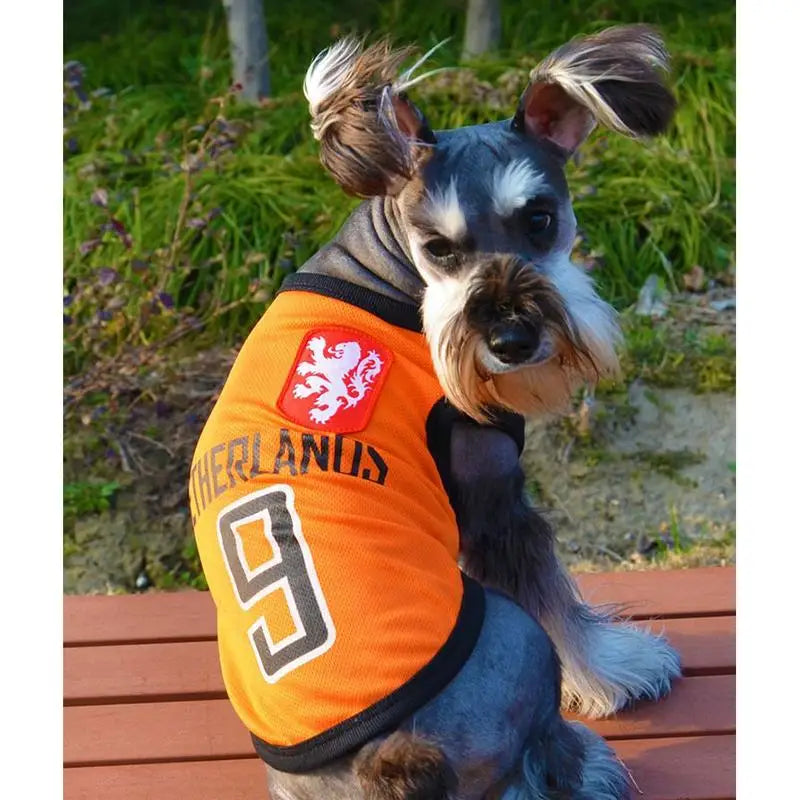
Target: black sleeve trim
[[387, 714], [402, 315]]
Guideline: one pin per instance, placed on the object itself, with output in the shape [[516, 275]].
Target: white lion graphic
[[341, 378]]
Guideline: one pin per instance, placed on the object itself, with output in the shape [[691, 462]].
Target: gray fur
[[371, 250]]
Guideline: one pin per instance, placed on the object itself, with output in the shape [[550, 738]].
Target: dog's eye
[[442, 251], [539, 221]]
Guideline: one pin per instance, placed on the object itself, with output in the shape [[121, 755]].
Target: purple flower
[[106, 276], [119, 229], [99, 198], [166, 300], [89, 246], [68, 298], [103, 316], [67, 319]]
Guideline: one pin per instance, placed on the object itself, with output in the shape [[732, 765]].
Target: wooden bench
[[146, 716]]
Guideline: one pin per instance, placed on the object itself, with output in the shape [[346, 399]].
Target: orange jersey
[[325, 532]]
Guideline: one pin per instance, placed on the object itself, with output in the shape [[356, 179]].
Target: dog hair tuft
[[405, 767], [368, 130], [617, 75]]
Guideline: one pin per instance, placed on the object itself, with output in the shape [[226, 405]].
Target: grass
[[86, 497], [691, 356], [183, 209]]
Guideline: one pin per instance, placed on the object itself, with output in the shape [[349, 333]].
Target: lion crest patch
[[335, 380]]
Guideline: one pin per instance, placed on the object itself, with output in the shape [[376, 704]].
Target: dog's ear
[[615, 78], [372, 137]]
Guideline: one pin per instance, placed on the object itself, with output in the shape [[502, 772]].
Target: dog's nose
[[515, 343]]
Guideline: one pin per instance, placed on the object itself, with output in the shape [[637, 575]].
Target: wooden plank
[[201, 780], [189, 615], [696, 768], [179, 731], [202, 729], [136, 672], [163, 671], [700, 768], [698, 592], [707, 645], [151, 617], [702, 706]]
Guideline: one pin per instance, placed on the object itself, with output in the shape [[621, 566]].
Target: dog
[[394, 623]]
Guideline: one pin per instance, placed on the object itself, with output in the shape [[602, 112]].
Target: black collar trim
[[402, 315]]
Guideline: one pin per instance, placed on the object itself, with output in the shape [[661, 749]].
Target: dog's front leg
[[506, 544]]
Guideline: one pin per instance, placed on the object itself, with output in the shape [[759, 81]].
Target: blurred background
[[187, 202]]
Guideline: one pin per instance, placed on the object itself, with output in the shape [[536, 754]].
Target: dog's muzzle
[[514, 309]]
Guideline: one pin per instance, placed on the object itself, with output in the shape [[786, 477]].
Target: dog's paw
[[618, 663]]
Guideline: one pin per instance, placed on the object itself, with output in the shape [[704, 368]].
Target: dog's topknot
[[365, 124]]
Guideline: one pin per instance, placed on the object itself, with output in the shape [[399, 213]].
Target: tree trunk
[[247, 32], [483, 28]]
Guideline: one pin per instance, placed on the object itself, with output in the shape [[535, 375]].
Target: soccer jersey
[[324, 527]]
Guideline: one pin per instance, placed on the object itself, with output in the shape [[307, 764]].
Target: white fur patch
[[616, 663], [446, 213], [595, 319], [329, 71], [444, 299], [513, 185]]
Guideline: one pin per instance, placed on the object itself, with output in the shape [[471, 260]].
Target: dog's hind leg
[[606, 662], [570, 762], [506, 695]]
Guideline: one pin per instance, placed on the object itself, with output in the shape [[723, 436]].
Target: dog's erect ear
[[615, 78], [372, 137]]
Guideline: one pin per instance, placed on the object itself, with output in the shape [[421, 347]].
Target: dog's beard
[[532, 390], [580, 353]]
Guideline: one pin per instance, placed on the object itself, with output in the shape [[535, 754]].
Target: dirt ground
[[644, 477], [663, 492]]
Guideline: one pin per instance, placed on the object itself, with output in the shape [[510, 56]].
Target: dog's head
[[486, 211]]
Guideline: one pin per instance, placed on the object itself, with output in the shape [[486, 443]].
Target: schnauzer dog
[[393, 619]]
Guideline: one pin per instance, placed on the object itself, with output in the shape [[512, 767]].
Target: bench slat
[[700, 768], [189, 615], [198, 780], [702, 705], [664, 769], [698, 592], [133, 673], [201, 729]]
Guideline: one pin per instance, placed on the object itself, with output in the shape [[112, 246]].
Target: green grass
[[213, 248], [671, 355], [88, 497]]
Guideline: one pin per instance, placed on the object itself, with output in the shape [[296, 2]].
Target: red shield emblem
[[335, 380]]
